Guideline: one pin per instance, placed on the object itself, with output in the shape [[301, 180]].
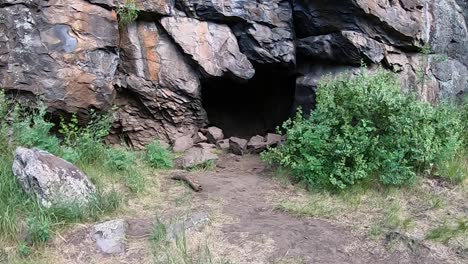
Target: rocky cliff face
[[159, 69]]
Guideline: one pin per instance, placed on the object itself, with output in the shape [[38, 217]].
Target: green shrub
[[24, 250], [39, 229], [364, 128], [159, 157], [33, 130], [85, 144], [127, 13], [120, 159]]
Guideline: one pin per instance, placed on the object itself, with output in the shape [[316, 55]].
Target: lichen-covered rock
[[52, 180], [110, 236], [448, 32], [213, 46]]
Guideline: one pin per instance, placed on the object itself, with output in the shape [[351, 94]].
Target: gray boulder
[[198, 155], [272, 140], [238, 146], [223, 144], [199, 138], [256, 144], [183, 143], [110, 236], [214, 134], [213, 46], [52, 180]]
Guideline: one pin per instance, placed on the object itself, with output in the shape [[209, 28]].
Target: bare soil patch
[[247, 225]]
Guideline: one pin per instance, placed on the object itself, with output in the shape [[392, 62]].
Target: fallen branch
[[192, 183]]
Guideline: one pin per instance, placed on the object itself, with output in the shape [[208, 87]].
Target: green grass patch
[[209, 165], [81, 144], [447, 231], [179, 251], [158, 156]]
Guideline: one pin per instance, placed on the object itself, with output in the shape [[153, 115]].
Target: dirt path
[[240, 197], [244, 187]]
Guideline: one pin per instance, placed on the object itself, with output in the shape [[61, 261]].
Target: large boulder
[[52, 180], [213, 46], [264, 27], [198, 155], [237, 145], [160, 91]]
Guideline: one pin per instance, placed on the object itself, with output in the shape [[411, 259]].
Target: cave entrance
[[255, 107]]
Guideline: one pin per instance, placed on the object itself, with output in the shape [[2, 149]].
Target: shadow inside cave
[[255, 107]]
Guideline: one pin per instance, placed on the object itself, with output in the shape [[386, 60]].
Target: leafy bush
[[159, 157], [120, 159], [364, 128], [33, 130], [85, 144], [127, 13], [39, 229]]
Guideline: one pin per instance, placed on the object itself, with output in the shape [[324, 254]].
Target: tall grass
[[82, 145]]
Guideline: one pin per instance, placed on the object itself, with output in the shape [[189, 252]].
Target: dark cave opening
[[255, 107]]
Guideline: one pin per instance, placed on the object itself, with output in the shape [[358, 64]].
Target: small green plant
[[39, 229], [127, 13], [394, 219], [84, 144], [446, 232], [24, 250], [134, 180], [365, 129], [209, 165], [34, 131], [120, 159], [159, 232], [159, 157]]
